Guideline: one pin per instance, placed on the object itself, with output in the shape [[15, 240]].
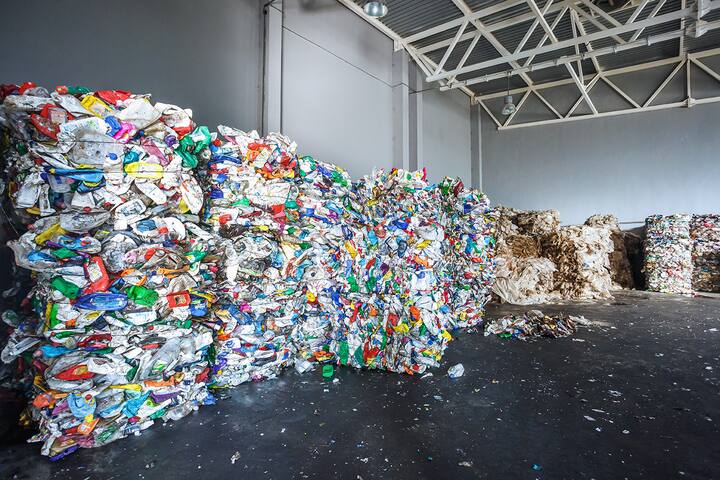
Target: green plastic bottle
[[67, 288], [142, 295]]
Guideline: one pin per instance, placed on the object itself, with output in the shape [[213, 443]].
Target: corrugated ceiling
[[410, 17]]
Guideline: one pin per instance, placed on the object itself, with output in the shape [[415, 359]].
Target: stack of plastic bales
[[394, 305], [146, 293], [282, 220], [668, 254], [105, 182], [705, 234], [470, 231]]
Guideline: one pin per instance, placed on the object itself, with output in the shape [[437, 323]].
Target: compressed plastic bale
[[122, 269], [470, 226], [668, 254], [705, 235]]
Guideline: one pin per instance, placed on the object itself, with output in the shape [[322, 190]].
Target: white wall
[[200, 55], [337, 90], [337, 96], [446, 135], [632, 165]]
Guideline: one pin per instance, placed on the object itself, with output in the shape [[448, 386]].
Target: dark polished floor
[[637, 395]]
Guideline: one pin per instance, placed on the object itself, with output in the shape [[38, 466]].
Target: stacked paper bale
[[619, 264], [705, 235], [668, 254], [105, 182], [581, 254], [523, 275]]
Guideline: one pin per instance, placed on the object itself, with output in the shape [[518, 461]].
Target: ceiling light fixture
[[375, 9], [509, 107]]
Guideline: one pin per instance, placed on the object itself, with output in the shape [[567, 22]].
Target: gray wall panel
[[200, 55], [630, 165]]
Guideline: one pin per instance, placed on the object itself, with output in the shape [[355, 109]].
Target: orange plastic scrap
[[415, 313]]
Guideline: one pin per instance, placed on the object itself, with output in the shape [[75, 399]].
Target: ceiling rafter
[[451, 54]]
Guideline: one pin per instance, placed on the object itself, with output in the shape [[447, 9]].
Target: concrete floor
[[637, 395]]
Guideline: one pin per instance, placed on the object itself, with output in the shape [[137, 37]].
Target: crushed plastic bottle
[[456, 371]]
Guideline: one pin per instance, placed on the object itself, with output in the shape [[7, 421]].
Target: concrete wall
[[630, 165], [202, 55]]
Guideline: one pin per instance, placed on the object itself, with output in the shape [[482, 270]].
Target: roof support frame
[[679, 63], [676, 15]]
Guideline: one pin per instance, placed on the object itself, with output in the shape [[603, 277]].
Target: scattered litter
[[589, 418], [235, 457], [534, 323], [456, 371], [536, 467]]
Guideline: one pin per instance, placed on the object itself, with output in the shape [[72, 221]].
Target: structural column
[[272, 71], [475, 146], [401, 109]]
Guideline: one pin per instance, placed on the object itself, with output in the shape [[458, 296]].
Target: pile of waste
[[538, 261], [705, 235], [168, 261], [581, 256], [620, 269], [523, 275], [534, 324], [104, 182], [668, 254]]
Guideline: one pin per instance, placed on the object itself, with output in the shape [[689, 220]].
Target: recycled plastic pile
[[168, 260], [668, 254], [105, 184], [538, 261], [705, 235], [534, 324]]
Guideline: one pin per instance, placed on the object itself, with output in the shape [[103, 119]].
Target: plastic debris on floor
[[168, 260], [534, 324], [668, 254], [705, 235]]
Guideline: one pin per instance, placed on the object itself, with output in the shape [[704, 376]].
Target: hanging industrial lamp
[[509, 107], [375, 9]]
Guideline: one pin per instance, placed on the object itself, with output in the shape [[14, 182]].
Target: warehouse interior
[[366, 239]]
